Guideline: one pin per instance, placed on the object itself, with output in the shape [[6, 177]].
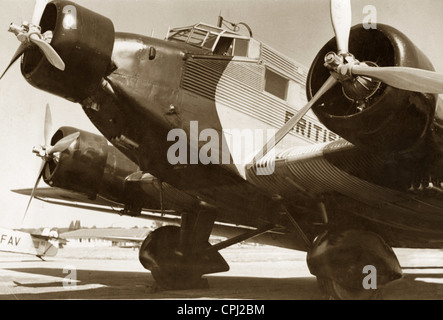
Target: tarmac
[[256, 273]]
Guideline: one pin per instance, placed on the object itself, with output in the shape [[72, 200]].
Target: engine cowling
[[83, 39], [374, 115], [89, 166]]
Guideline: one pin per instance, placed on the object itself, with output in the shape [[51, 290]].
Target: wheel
[[334, 291], [176, 279], [170, 270]]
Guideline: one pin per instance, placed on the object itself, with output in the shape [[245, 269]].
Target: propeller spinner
[[29, 34], [344, 67]]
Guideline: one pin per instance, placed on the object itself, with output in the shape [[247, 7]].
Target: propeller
[[39, 8], [48, 153], [343, 66], [21, 49], [404, 78], [341, 15], [48, 125], [29, 34]]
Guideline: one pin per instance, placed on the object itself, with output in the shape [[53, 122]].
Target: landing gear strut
[[178, 256]]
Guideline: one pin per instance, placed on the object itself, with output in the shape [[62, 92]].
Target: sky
[[297, 28]]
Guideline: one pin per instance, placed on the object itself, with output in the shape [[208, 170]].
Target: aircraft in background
[[40, 245], [359, 175]]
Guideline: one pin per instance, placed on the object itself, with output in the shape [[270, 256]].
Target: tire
[[334, 291], [170, 270], [175, 279]]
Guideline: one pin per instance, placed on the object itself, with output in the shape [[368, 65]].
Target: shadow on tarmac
[[93, 284], [140, 285]]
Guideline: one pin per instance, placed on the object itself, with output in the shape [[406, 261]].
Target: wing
[[355, 184], [49, 238], [78, 200], [124, 239], [67, 198]]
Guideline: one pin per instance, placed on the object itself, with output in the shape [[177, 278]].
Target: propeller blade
[[48, 51], [21, 49], [40, 174], [341, 17], [64, 143], [284, 130], [404, 78], [48, 125], [39, 8]]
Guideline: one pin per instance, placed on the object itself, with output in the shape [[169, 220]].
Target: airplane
[[208, 126], [39, 245]]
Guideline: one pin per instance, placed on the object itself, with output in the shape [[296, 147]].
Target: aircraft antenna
[[233, 26], [220, 20]]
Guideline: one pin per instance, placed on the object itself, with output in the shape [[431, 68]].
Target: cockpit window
[[197, 37], [224, 47], [181, 35], [219, 41], [210, 41], [241, 47], [200, 35]]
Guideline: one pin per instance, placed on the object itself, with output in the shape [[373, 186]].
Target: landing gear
[[352, 264], [178, 256], [170, 269]]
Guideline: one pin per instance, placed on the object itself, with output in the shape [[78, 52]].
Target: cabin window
[[275, 84]]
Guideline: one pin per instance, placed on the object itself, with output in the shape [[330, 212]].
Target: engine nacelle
[[89, 166], [83, 39], [381, 118]]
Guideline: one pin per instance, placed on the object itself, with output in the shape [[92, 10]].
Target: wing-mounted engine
[[89, 166], [365, 111], [83, 39]]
